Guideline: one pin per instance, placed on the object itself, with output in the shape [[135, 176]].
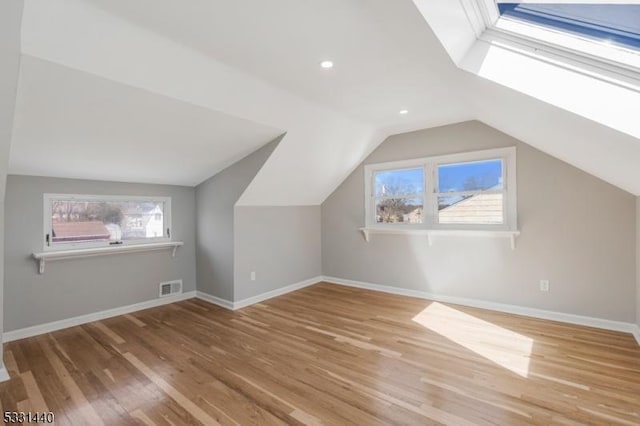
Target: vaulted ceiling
[[172, 92]]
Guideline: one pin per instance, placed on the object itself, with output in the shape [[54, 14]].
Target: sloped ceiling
[[572, 110], [234, 74], [77, 125]]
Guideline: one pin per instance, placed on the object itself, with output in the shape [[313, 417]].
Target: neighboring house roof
[[80, 231], [484, 208]]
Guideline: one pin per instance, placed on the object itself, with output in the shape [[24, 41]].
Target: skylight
[[615, 24]]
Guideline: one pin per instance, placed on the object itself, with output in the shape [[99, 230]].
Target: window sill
[[431, 233], [102, 251]]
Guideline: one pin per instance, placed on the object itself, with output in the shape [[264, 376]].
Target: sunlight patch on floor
[[499, 345]]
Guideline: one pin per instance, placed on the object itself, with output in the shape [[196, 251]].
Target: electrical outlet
[[544, 285], [253, 275]]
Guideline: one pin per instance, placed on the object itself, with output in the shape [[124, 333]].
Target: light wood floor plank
[[326, 354]]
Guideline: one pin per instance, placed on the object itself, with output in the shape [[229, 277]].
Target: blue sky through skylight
[[613, 23]]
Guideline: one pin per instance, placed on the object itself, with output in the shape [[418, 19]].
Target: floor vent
[[170, 287]]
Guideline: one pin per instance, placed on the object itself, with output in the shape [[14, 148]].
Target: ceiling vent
[[170, 287]]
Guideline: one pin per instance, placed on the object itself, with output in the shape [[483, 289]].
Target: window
[[618, 24], [471, 192], [86, 221], [399, 196], [603, 34], [474, 191]]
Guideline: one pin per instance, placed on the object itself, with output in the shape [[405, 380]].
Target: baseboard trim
[[277, 292], [636, 333], [35, 330], [500, 307], [227, 304], [223, 303]]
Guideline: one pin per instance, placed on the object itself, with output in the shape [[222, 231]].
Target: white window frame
[[70, 246], [607, 62], [430, 200]]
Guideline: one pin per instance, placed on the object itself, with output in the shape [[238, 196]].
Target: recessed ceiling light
[[326, 64], [403, 111]]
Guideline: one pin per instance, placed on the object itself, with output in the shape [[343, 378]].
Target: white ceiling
[[73, 124], [210, 80], [386, 58], [573, 109]]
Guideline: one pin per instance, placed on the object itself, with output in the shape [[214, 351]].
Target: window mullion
[[430, 187]]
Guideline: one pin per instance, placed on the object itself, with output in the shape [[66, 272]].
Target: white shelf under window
[[50, 256], [432, 233]]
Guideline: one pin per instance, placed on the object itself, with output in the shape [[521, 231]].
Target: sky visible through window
[[399, 193], [617, 24], [458, 177], [400, 182], [476, 176]]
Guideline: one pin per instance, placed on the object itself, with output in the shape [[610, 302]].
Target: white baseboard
[[500, 307], [96, 316], [636, 334], [223, 303], [275, 293], [259, 298], [4, 374]]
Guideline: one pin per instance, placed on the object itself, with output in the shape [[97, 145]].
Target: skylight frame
[[616, 60]]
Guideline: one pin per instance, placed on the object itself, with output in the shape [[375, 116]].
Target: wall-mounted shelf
[[50, 256], [432, 233]]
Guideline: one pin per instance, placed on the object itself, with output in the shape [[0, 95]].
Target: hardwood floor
[[326, 354]]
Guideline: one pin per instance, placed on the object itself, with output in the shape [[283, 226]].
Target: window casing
[[467, 191], [616, 23], [73, 222]]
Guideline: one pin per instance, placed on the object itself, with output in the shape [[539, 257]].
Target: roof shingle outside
[[483, 208], [76, 231]]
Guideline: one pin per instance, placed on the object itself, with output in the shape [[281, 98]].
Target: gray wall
[[10, 48], [75, 287], [576, 231], [281, 244], [215, 200]]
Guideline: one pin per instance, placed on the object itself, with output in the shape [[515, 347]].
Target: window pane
[[399, 182], [610, 23], [89, 221], [399, 210], [471, 176], [479, 209]]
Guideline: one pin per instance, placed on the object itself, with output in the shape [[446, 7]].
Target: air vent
[[170, 287]]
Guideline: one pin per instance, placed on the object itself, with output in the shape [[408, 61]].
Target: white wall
[[10, 25], [576, 231]]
